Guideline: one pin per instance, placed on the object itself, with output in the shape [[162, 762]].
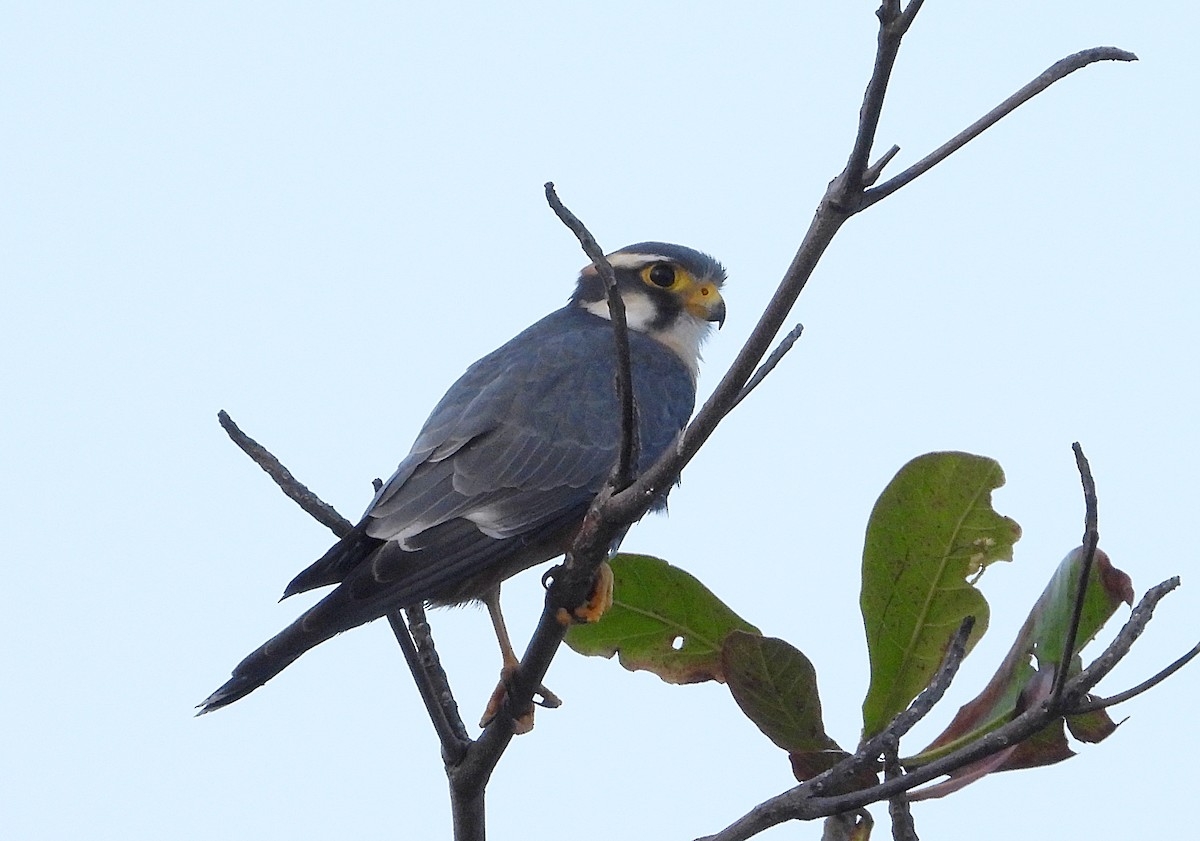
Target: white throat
[[684, 336]]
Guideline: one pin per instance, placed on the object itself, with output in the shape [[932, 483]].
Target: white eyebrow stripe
[[630, 261]]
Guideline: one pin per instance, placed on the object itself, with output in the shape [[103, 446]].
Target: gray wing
[[521, 437], [515, 450]]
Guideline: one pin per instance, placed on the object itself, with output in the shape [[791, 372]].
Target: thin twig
[[628, 452], [1056, 72], [768, 366], [454, 747], [893, 24], [1091, 539], [1139, 617], [1121, 697], [870, 750], [312, 504], [872, 173], [422, 636], [899, 809]]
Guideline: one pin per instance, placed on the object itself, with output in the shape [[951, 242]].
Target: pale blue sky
[[315, 216]]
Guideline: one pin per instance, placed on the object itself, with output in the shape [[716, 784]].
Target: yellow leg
[[523, 723]]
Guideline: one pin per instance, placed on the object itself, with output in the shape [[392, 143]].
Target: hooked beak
[[706, 303]]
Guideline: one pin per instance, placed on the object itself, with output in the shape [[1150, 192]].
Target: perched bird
[[504, 469]]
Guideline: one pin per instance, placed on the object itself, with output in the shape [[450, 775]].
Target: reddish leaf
[[1017, 684]]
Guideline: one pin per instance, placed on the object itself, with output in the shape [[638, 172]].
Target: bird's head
[[671, 293]]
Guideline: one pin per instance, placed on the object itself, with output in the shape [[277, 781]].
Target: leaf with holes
[[662, 620], [931, 534]]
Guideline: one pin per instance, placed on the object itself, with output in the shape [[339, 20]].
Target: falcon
[[504, 469]]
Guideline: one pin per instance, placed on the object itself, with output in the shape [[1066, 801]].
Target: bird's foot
[[522, 721], [598, 602]]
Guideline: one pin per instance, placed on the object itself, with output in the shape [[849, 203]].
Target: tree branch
[[1057, 71], [449, 727], [612, 512], [899, 810], [618, 505], [627, 457], [1091, 540], [1121, 697], [767, 367], [1079, 686], [312, 504], [869, 751]]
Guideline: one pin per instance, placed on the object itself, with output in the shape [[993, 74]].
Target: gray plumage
[[498, 479]]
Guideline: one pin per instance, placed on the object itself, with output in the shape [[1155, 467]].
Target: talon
[[549, 700], [601, 598], [494, 704], [523, 722]]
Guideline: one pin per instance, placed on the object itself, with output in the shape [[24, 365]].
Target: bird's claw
[[523, 721], [598, 602]]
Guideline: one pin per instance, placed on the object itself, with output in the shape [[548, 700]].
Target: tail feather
[[274, 656], [333, 567]]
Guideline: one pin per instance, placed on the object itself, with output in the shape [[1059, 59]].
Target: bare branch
[[899, 810], [893, 24], [316, 508], [1091, 539], [872, 173], [628, 452], [443, 712], [1057, 71], [767, 367], [617, 505], [870, 750], [1079, 686], [1121, 697]]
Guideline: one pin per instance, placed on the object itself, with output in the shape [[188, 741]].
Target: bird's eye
[[661, 274]]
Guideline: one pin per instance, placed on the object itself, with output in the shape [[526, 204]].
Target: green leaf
[[662, 620], [931, 533], [776, 687], [1050, 618]]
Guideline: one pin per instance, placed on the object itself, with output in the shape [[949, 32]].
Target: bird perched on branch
[[504, 469]]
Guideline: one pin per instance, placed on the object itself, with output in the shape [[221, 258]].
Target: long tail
[[324, 620], [270, 659]]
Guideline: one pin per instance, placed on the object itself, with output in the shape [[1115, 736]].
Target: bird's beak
[[706, 302]]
